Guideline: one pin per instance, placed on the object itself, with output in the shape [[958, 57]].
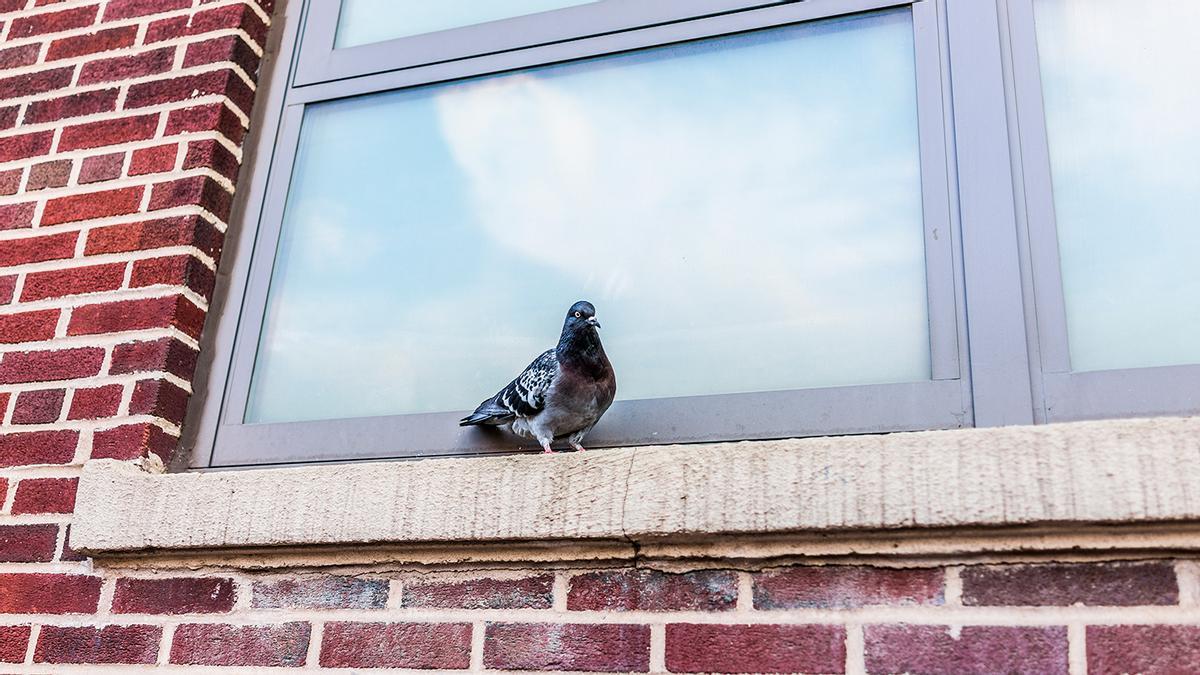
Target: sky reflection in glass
[[1122, 99], [744, 212], [362, 22]]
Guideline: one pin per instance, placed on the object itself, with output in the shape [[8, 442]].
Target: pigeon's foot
[[578, 447], [546, 448]]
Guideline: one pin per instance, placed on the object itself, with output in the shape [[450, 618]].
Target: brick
[[108, 132], [45, 495], [230, 48], [180, 595], [3, 481], [166, 354], [90, 644], [69, 554], [1143, 649], [95, 403], [8, 287], [38, 447], [1097, 584], [15, 57], [427, 646], [52, 22], [209, 117], [38, 249], [147, 235], [10, 181], [50, 365], [840, 587], [90, 205], [127, 9], [92, 43], [129, 315], [40, 406], [211, 154], [1037, 650], [651, 590], [193, 191], [27, 327], [222, 82], [48, 593], [695, 648], [13, 148], [132, 441], [543, 646], [14, 641], [32, 84], [530, 592], [103, 167], [208, 21], [28, 543], [48, 175], [127, 67], [222, 645], [8, 117], [16, 216], [324, 592], [153, 160], [178, 270], [73, 281]]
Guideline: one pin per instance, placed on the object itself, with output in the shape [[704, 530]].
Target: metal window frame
[[1066, 395], [963, 153]]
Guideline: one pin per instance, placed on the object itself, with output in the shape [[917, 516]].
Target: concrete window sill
[[1061, 477]]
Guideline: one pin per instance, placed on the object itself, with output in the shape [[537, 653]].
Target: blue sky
[[744, 212]]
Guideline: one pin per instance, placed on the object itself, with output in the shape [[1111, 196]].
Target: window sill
[[1012, 486]]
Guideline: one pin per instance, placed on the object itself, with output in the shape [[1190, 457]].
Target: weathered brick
[[50, 365], [211, 154], [765, 648], [95, 403], [8, 117], [1060, 584], [108, 132], [45, 495], [208, 117], [102, 167], [1143, 649], [91, 644], [324, 592], [129, 315], [73, 105], [38, 249], [69, 554], [38, 447], [127, 67], [151, 234], [16, 216], [72, 281], [102, 204], [36, 144], [8, 288], [48, 175], [3, 480], [31, 84], [208, 21], [224, 82], [838, 586], [430, 646], [14, 641], [127, 9], [195, 190], [40, 406], [230, 48], [28, 543], [222, 645], [48, 593], [1040, 650], [166, 354], [178, 270], [158, 159], [177, 595], [92, 43], [28, 326], [52, 22], [23, 55], [131, 441], [631, 589], [481, 593], [159, 398], [10, 181], [609, 648]]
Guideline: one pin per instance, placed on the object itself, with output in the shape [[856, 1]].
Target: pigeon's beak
[[593, 322]]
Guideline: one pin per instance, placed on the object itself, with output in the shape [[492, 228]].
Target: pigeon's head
[[582, 315]]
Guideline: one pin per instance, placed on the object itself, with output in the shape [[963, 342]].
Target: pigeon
[[562, 393]]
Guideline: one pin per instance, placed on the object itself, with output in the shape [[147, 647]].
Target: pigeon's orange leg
[[546, 448], [578, 447]]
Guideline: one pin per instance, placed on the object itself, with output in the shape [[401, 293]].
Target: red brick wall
[[122, 124]]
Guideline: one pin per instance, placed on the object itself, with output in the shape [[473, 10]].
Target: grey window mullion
[[1000, 383]]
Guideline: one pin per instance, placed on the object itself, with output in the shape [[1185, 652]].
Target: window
[[784, 211]]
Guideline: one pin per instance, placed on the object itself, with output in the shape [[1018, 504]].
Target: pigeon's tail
[[489, 413]]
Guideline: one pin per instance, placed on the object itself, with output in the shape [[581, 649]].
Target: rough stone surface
[[1112, 471]]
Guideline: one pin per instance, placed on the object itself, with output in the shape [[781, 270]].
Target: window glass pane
[[743, 211], [365, 21], [1122, 100]]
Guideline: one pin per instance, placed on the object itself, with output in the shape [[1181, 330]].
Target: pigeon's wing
[[524, 397]]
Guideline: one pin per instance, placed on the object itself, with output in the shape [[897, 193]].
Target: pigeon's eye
[[578, 315]]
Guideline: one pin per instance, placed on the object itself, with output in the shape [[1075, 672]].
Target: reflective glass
[[1122, 100], [365, 21], [744, 212]]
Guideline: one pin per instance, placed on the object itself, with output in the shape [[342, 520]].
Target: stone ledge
[[1068, 475]]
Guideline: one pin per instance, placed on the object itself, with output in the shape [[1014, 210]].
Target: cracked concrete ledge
[[1064, 476]]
